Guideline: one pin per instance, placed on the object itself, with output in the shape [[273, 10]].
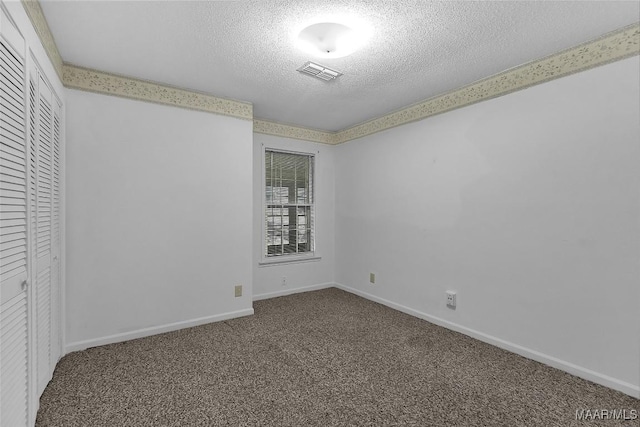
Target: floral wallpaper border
[[288, 131], [39, 22], [611, 47], [110, 84]]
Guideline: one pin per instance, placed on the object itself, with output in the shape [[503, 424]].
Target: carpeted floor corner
[[323, 358]]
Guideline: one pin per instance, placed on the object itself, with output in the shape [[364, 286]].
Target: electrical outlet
[[372, 278], [238, 291], [284, 280], [451, 299]]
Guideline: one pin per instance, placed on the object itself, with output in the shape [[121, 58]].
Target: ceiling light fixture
[[330, 39]]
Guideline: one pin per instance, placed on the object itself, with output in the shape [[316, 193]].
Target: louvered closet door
[[13, 239], [55, 235], [43, 234]]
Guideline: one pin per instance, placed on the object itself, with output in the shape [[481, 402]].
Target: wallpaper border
[[617, 45], [111, 84], [39, 22], [296, 132]]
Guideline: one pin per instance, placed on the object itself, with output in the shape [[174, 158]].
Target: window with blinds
[[289, 203]]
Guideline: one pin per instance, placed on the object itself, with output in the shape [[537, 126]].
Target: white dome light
[[329, 40]]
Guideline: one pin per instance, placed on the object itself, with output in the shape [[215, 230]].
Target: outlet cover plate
[[451, 299]]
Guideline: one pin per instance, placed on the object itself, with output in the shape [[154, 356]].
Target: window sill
[[288, 260]]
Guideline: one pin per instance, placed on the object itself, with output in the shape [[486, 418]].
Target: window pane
[[272, 239], [269, 192], [302, 196]]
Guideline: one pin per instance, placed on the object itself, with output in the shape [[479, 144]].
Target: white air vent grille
[[319, 71]]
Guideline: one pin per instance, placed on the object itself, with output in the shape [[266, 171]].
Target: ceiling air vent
[[319, 71]]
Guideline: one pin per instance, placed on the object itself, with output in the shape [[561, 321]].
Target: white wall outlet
[[284, 280], [451, 299], [238, 291], [372, 278]]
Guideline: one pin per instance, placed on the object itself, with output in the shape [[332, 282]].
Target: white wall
[[527, 205], [303, 276], [159, 209]]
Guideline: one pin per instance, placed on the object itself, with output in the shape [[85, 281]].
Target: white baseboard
[[291, 291], [154, 330], [579, 371]]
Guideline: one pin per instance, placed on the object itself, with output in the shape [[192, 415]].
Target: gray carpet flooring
[[323, 358]]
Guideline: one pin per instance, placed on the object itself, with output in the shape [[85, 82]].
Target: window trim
[[289, 258]]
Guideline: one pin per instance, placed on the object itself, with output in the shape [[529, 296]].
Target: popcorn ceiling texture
[[245, 50]]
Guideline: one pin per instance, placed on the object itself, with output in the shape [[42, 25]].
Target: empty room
[[319, 213]]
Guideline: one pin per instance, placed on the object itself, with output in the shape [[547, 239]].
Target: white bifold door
[[44, 129], [30, 230], [14, 342]]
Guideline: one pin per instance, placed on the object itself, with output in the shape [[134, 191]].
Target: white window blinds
[[289, 214]]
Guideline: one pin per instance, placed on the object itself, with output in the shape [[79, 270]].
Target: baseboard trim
[[579, 371], [154, 330], [292, 291]]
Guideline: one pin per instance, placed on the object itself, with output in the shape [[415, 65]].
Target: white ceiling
[[245, 50]]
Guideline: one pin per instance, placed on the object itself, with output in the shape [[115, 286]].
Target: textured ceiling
[[245, 50]]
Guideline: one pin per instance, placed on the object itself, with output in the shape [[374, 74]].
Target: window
[[289, 206]]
